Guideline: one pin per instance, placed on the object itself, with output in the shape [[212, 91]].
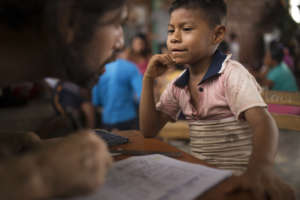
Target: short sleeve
[[241, 90], [168, 102]]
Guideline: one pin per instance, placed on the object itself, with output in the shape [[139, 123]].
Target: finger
[[166, 60], [171, 59]]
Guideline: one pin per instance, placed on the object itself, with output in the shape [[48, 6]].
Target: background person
[[118, 93], [139, 52]]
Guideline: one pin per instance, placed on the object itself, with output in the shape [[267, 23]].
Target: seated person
[[230, 127], [70, 40], [276, 75]]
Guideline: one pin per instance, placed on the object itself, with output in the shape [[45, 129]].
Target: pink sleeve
[[241, 90], [168, 102]]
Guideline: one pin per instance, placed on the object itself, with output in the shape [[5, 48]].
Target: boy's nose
[[176, 37]]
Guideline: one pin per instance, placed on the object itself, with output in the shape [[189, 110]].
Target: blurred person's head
[[77, 37], [274, 54], [140, 45], [196, 29], [232, 36]]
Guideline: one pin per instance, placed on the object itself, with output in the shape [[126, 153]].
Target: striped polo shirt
[[217, 125]]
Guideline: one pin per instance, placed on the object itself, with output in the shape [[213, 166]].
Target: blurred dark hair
[[17, 14], [147, 50], [276, 50], [214, 10]]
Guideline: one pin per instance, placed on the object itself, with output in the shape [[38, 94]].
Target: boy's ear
[[219, 34]]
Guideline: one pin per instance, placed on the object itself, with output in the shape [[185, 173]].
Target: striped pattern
[[225, 143]]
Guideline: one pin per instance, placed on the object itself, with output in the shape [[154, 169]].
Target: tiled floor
[[287, 159]]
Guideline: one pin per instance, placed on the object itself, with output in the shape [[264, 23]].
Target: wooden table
[[138, 142]]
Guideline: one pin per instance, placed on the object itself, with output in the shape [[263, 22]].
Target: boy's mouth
[[178, 51]]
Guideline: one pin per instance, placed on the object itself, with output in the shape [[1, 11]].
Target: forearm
[[21, 179], [265, 143], [150, 122]]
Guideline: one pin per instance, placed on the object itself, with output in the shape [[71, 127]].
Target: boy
[[70, 40], [216, 95]]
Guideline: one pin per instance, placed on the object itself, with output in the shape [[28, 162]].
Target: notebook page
[[156, 177]]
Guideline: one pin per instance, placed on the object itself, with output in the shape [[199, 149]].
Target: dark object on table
[[110, 138]]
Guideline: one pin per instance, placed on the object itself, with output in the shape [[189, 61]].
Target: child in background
[[229, 124], [140, 52]]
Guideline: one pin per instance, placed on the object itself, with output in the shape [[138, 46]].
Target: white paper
[[156, 177]]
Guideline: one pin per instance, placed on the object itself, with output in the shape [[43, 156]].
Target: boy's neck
[[199, 69]]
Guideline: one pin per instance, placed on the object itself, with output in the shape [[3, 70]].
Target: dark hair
[[232, 36], [215, 10], [276, 50], [17, 14], [147, 50]]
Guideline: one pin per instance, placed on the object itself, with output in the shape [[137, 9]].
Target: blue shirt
[[283, 79], [118, 91]]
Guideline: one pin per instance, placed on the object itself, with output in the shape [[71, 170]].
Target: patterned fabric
[[225, 143], [229, 92]]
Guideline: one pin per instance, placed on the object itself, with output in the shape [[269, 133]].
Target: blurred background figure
[[234, 46], [139, 52], [73, 102], [160, 20], [275, 74], [288, 59], [118, 93]]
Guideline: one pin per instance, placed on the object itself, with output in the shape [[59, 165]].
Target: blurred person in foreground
[[55, 38]]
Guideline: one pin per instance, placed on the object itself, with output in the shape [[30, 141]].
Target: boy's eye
[[187, 29], [170, 31]]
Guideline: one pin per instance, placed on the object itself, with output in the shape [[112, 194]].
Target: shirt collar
[[214, 70]]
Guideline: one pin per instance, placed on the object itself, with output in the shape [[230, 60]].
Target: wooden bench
[[180, 129], [175, 131], [284, 121]]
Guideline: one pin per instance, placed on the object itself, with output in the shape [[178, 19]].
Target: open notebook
[[156, 177]]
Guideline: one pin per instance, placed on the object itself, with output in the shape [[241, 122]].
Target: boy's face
[[107, 38], [190, 38]]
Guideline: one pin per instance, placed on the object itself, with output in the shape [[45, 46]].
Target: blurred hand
[[73, 165], [262, 184], [158, 65]]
